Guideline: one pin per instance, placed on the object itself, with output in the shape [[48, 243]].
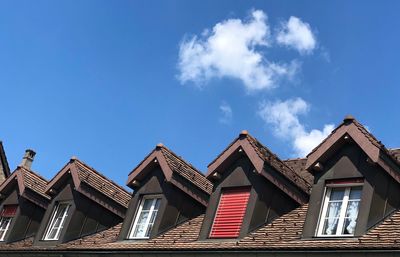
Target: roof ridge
[[279, 160], [34, 173], [100, 174], [295, 159], [183, 160], [197, 178]]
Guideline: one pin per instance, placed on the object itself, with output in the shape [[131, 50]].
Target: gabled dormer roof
[[27, 179], [351, 130], [4, 168], [171, 164], [83, 174], [260, 156]]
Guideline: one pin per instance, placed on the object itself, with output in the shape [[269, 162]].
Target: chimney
[[28, 159]]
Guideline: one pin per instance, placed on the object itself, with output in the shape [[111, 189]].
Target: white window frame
[[8, 220], [139, 211], [323, 212], [52, 222]]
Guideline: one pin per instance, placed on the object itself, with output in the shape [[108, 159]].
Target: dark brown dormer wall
[[380, 193], [26, 221], [84, 216], [266, 201], [175, 206]]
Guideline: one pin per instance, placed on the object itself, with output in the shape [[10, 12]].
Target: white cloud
[[233, 49], [298, 35], [226, 113], [284, 117]]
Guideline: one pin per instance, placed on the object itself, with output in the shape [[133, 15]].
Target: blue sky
[[108, 80]]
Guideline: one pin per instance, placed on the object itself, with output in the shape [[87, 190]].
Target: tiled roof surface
[[102, 184], [186, 170], [279, 165], [283, 233], [298, 165], [95, 240], [34, 182], [264, 153]]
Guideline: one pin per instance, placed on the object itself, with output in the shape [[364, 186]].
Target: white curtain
[[352, 212], [333, 217]]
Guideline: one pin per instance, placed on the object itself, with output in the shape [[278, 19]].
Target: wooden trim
[[141, 167], [358, 137], [255, 159]]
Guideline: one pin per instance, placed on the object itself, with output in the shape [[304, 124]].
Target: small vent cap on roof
[[243, 133], [348, 118]]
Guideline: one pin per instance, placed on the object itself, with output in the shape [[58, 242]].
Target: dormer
[[83, 202], [356, 183], [252, 187], [167, 192], [23, 205]]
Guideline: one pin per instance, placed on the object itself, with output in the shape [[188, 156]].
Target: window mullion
[[343, 211]]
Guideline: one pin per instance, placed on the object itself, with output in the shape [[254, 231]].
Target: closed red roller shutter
[[9, 210], [230, 213]]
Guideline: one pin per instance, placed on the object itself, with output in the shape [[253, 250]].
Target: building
[[342, 199]]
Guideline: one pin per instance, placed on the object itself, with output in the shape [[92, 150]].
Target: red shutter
[[231, 210], [9, 210]]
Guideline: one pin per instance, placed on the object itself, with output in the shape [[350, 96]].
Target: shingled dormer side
[[83, 202], [250, 177], [353, 168], [23, 205], [166, 187]]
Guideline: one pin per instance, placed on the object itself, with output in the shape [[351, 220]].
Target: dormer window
[[145, 217], [230, 213], [7, 214], [57, 221], [340, 209]]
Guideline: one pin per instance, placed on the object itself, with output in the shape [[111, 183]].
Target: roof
[[34, 182], [27, 179], [284, 233], [102, 184], [173, 165], [355, 131], [82, 173], [279, 165], [186, 170], [261, 157], [298, 165]]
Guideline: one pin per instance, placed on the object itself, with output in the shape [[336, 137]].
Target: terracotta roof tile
[[186, 170], [298, 165], [93, 178], [279, 165], [34, 181], [94, 240]]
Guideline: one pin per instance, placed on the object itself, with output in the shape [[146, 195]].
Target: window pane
[[147, 204], [351, 217], [355, 193], [340, 211], [57, 221], [332, 218], [144, 222], [337, 194]]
